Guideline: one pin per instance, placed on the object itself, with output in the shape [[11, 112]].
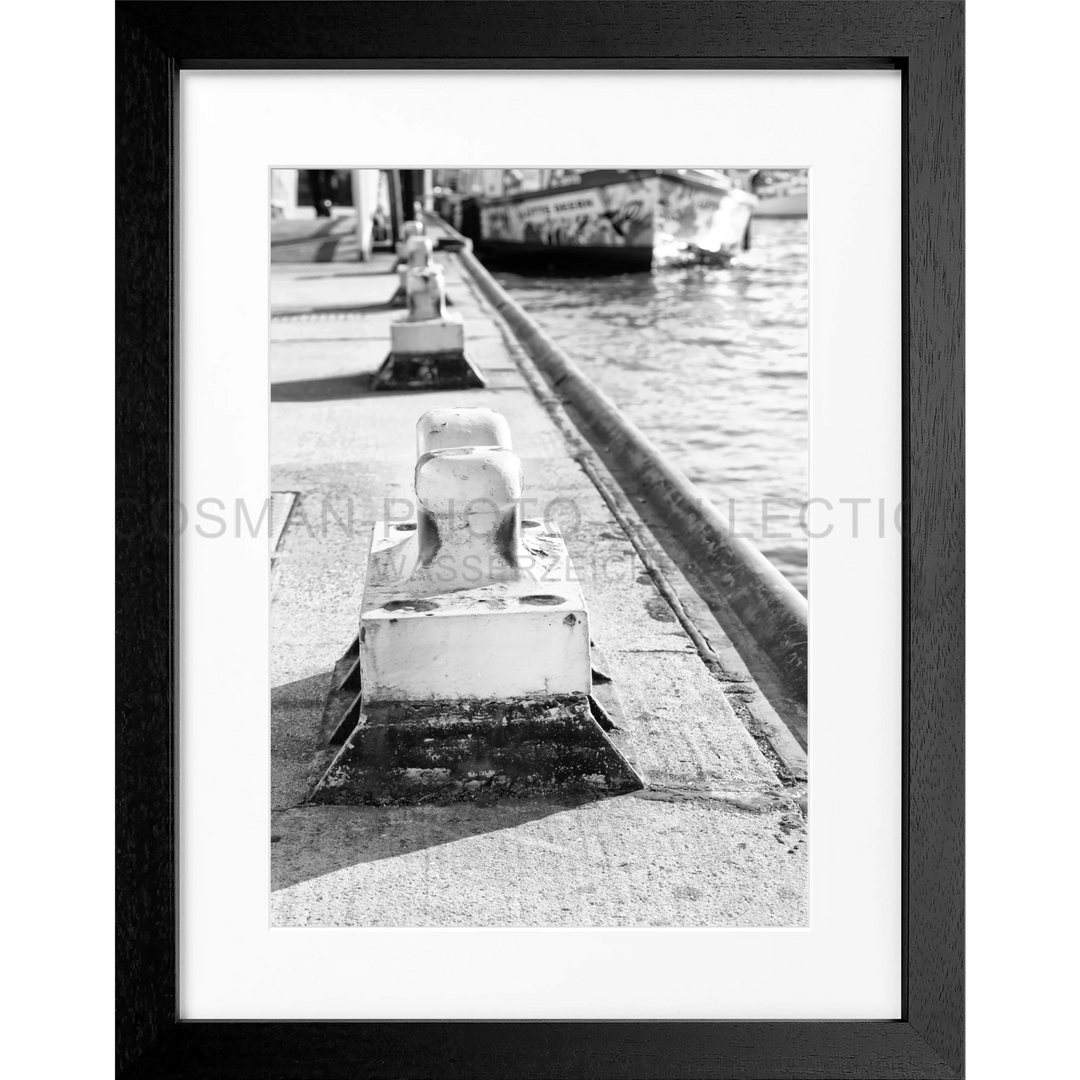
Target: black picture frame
[[921, 38]]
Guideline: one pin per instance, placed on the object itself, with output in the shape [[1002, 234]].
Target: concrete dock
[[718, 837]]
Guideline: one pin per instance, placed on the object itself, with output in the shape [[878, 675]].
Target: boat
[[606, 219], [781, 197]]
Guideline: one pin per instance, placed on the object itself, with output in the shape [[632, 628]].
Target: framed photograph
[[598, 708]]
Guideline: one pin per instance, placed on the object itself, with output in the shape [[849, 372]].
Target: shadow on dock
[[339, 309], [332, 388], [352, 835]]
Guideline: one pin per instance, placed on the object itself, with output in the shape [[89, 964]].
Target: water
[[712, 365]]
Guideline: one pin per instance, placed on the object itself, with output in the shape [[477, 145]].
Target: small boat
[[607, 219], [784, 199]]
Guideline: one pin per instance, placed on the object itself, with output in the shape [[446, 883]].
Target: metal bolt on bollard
[[473, 657]]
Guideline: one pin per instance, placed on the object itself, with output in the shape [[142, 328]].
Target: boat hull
[[616, 220], [782, 206], [579, 258]]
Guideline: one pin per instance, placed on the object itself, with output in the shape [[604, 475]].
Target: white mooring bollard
[[410, 229], [474, 654], [427, 347], [415, 252], [419, 251]]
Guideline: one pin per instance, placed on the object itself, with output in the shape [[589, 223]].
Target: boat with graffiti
[[606, 219]]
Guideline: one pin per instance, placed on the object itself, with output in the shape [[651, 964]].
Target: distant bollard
[[427, 347], [418, 251], [408, 231], [473, 656], [425, 293], [415, 252]]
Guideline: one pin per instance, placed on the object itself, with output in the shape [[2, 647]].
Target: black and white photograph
[[539, 532], [531, 419]]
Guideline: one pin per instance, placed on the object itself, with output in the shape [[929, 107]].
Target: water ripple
[[711, 364]]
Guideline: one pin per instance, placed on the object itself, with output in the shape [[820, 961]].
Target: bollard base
[[450, 369], [341, 710], [451, 751]]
